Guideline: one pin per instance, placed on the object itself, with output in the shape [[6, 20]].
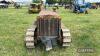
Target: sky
[[18, 0], [45, 0], [92, 1]]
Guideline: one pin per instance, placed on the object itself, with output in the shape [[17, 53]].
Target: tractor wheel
[[29, 39], [86, 12], [73, 9], [66, 38]]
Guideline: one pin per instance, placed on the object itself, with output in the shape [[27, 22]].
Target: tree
[[58, 1]]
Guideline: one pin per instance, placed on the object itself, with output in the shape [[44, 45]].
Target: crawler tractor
[[49, 31], [34, 8]]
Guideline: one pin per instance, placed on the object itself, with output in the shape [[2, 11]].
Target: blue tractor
[[80, 6]]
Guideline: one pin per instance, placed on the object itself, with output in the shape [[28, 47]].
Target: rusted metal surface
[[48, 24], [48, 15]]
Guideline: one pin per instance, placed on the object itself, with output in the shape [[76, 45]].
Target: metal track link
[[29, 38], [66, 36]]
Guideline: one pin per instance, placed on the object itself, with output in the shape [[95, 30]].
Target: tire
[[73, 9], [86, 12]]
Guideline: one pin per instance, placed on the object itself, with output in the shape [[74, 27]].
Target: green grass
[[85, 29]]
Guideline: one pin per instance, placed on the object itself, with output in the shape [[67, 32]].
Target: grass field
[[85, 31]]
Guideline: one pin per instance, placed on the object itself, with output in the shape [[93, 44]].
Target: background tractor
[[80, 6], [49, 31], [17, 5], [94, 6], [4, 4], [34, 8]]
